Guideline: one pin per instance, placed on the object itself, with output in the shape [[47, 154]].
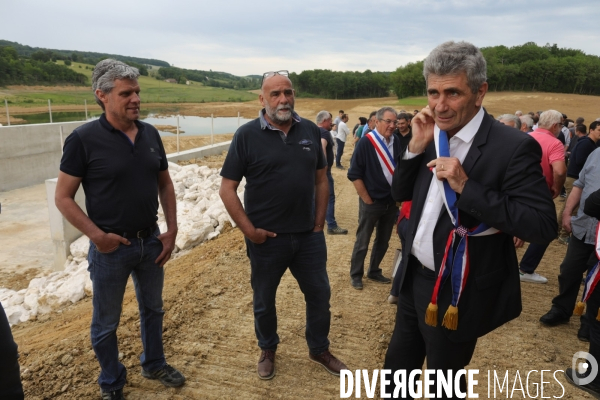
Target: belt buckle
[[137, 234]]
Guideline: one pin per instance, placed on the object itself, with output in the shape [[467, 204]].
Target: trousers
[[109, 273]]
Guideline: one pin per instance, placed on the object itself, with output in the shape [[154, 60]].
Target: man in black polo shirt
[[122, 166], [403, 131], [285, 201], [371, 173], [324, 124]]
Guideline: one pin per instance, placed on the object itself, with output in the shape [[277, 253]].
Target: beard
[[277, 116]]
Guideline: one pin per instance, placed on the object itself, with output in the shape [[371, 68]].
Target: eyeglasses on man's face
[[269, 74], [390, 121]]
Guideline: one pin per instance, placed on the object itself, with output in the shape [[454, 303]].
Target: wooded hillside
[[528, 67]]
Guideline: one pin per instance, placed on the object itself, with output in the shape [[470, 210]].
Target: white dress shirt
[[342, 131], [460, 144]]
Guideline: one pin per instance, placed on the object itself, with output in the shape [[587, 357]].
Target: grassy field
[[153, 91], [417, 102]]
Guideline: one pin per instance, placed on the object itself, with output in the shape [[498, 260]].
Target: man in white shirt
[[474, 184], [342, 133]]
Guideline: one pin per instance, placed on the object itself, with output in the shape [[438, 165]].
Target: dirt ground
[[209, 332]]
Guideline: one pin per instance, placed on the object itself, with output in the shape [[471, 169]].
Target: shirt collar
[[383, 138], [106, 125], [467, 133], [542, 130], [264, 124]]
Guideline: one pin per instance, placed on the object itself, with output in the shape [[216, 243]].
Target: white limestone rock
[[80, 247], [174, 166]]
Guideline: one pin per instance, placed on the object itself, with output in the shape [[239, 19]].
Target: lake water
[[191, 125]]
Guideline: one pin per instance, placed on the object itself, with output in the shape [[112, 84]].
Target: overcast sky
[[246, 37]]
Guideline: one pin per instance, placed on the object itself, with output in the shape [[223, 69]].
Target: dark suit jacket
[[506, 190]]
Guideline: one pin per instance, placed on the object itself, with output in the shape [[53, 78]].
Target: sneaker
[[379, 278], [553, 318], [337, 231], [339, 167], [532, 278], [329, 362], [592, 388], [392, 299], [564, 240], [167, 375], [266, 365], [114, 395], [356, 283]]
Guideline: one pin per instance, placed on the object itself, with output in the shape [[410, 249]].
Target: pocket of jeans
[[260, 244], [107, 252]]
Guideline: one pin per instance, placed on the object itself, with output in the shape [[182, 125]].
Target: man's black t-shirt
[[280, 173], [561, 137], [119, 178], [403, 140], [325, 134], [579, 155]]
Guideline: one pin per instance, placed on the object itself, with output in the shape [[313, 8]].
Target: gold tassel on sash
[[451, 318], [431, 314], [579, 307]]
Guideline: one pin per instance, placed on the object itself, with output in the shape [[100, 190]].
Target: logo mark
[[151, 150], [585, 368]]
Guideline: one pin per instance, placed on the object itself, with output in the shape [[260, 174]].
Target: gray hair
[[527, 120], [511, 117], [382, 111], [518, 113], [451, 58], [105, 73], [549, 118], [322, 116]]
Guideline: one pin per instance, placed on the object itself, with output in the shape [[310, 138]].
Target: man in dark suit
[[488, 177]]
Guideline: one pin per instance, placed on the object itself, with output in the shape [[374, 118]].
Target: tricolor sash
[[455, 263], [591, 280], [383, 154]]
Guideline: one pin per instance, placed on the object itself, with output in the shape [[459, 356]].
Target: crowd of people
[[462, 189], [499, 194]]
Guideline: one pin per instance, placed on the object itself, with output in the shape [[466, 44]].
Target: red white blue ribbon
[[455, 263], [383, 154]]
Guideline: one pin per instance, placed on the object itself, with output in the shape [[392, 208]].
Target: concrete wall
[[63, 233], [30, 154]]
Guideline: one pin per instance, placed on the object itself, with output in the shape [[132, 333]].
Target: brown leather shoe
[[329, 362], [266, 364]]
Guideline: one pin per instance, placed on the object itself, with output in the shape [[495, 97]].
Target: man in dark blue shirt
[[122, 166], [324, 124], [371, 173]]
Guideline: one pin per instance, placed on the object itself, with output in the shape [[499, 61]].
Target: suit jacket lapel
[[479, 140]]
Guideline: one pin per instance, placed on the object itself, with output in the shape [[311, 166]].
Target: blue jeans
[[330, 215], [306, 256], [340, 151], [532, 257], [109, 273]]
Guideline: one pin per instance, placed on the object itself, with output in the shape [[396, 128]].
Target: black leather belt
[[141, 234]]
